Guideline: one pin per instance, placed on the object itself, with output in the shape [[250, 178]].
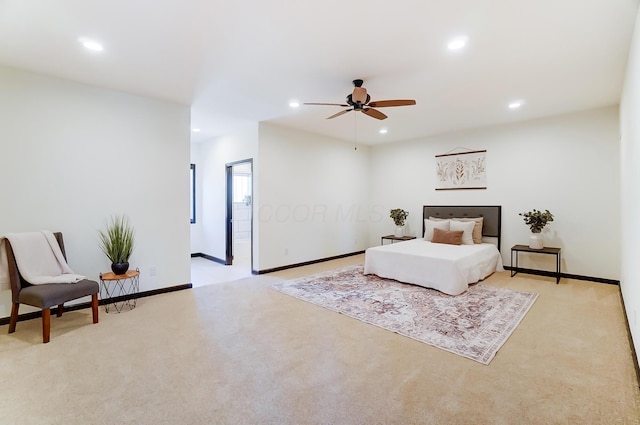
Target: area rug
[[474, 324]]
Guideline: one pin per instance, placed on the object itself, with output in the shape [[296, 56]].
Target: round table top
[[112, 276]]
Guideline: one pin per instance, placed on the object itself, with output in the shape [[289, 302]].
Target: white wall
[[317, 197], [568, 164], [630, 181], [72, 155], [211, 157], [313, 200]]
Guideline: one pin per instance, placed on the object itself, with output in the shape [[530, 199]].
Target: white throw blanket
[[4, 273], [40, 259]]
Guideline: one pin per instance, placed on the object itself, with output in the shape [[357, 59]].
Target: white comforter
[[447, 268]]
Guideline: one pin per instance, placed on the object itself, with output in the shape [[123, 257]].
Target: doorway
[[239, 216]]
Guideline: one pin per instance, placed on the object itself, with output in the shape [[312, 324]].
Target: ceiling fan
[[359, 100]]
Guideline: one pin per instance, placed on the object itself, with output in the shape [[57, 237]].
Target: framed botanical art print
[[464, 170]]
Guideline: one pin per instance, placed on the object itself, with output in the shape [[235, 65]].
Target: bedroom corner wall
[[568, 164], [313, 197], [630, 182], [73, 154]]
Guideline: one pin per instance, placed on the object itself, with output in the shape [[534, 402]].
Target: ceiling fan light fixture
[[294, 104], [359, 95], [383, 131]]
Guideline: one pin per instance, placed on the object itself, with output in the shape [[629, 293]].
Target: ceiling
[[239, 62]]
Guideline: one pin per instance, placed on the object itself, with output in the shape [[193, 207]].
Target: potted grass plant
[[117, 243]]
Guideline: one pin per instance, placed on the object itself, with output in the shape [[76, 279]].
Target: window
[[192, 180], [242, 188]]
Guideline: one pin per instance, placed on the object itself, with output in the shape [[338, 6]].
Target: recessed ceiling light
[[294, 104], [383, 131], [91, 44], [195, 130], [515, 104], [457, 43]]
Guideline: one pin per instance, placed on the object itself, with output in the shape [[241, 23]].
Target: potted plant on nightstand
[[399, 216], [117, 242], [536, 220]]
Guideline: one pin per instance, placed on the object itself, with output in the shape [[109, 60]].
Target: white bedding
[[447, 268]]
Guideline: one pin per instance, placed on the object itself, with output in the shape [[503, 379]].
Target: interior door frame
[[229, 210]]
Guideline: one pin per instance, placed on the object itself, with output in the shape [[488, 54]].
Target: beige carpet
[[474, 324], [241, 353]]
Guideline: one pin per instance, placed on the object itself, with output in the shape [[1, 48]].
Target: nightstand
[[516, 249], [393, 238]]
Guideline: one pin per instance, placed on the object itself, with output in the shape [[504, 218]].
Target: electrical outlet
[[152, 271], [286, 251]]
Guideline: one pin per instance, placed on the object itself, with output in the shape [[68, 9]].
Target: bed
[[447, 267]]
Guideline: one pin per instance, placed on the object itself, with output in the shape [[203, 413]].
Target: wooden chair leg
[[46, 324], [94, 307], [14, 317], [60, 310]]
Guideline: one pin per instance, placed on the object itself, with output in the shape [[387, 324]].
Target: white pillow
[[429, 225], [467, 230]]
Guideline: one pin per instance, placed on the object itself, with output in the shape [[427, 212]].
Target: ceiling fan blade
[[374, 113], [384, 103], [328, 104], [339, 113]]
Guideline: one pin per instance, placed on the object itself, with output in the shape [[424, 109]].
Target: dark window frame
[[192, 170]]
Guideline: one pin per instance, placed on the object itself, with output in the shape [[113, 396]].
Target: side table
[[393, 238], [120, 289], [516, 249]]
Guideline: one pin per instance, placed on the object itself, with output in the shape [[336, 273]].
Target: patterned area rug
[[474, 324]]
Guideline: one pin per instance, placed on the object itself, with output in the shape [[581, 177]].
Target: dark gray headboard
[[492, 215]]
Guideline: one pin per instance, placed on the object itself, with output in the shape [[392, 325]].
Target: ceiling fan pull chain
[[355, 132]]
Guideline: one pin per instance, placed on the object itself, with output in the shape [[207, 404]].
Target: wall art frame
[[461, 170]]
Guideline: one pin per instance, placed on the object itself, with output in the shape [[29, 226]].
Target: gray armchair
[[47, 295]]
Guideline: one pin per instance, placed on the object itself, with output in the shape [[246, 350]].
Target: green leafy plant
[[399, 216], [117, 241], [536, 220]]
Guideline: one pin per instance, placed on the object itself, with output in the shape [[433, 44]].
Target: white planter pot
[[536, 241], [399, 231]]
